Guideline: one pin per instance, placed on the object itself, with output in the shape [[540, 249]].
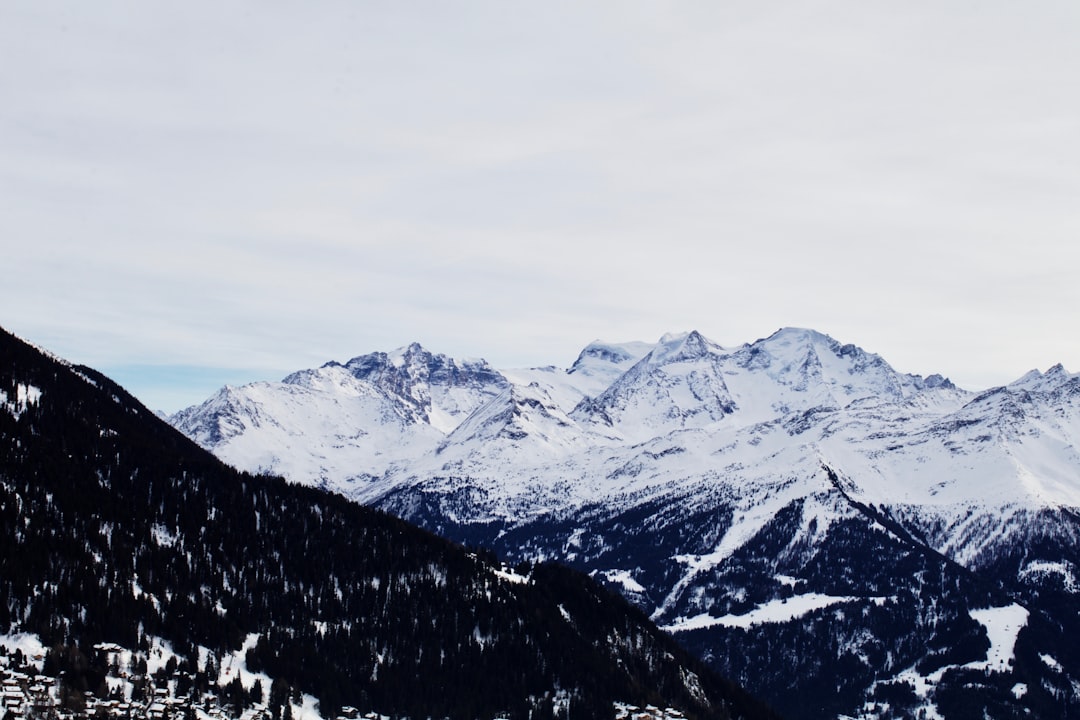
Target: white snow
[[625, 711], [158, 656], [326, 427], [1041, 569], [162, 536], [774, 611], [510, 576], [1051, 662], [30, 645], [25, 396], [160, 653], [308, 709], [624, 578], [1002, 625]]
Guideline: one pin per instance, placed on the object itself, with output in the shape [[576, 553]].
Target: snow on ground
[[29, 644], [235, 665], [624, 711], [1040, 570], [1051, 662], [509, 575], [624, 578], [774, 611], [1002, 625], [308, 710], [231, 665], [25, 395], [755, 511], [160, 654]]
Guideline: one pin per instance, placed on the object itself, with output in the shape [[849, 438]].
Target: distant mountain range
[[843, 539], [142, 577]]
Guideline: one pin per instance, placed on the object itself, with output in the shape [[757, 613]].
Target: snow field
[[30, 645], [774, 611], [1002, 624], [25, 396]]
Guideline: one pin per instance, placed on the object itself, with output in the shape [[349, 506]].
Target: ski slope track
[[708, 482]]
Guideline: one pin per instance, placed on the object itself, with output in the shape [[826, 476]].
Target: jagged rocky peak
[[807, 360], [1009, 402], [680, 347], [1037, 381], [218, 418], [796, 342], [598, 352], [441, 390], [517, 406], [805, 347], [937, 381], [331, 377], [413, 363], [678, 385]]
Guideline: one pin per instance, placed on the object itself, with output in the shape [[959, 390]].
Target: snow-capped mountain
[[140, 577], [340, 424], [597, 367], [435, 389], [707, 482]]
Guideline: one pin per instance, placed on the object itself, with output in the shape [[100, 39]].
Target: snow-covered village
[[142, 686]]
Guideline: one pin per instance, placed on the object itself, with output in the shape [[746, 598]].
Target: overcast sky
[[201, 193]]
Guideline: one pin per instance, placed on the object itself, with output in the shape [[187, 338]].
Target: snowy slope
[[597, 366], [433, 388], [339, 424], [323, 427], [639, 419]]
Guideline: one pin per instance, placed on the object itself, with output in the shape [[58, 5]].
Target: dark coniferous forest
[[116, 529]]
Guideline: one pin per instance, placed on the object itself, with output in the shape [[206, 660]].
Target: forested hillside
[[119, 530]]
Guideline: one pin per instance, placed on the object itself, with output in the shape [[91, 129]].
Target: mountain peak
[[796, 344], [938, 381], [797, 336], [621, 355], [1041, 381], [677, 347], [405, 355], [437, 388], [526, 419]]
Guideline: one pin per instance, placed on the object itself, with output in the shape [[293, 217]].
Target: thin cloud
[[250, 186]]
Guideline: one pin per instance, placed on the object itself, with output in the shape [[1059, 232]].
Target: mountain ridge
[[690, 477], [863, 379]]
